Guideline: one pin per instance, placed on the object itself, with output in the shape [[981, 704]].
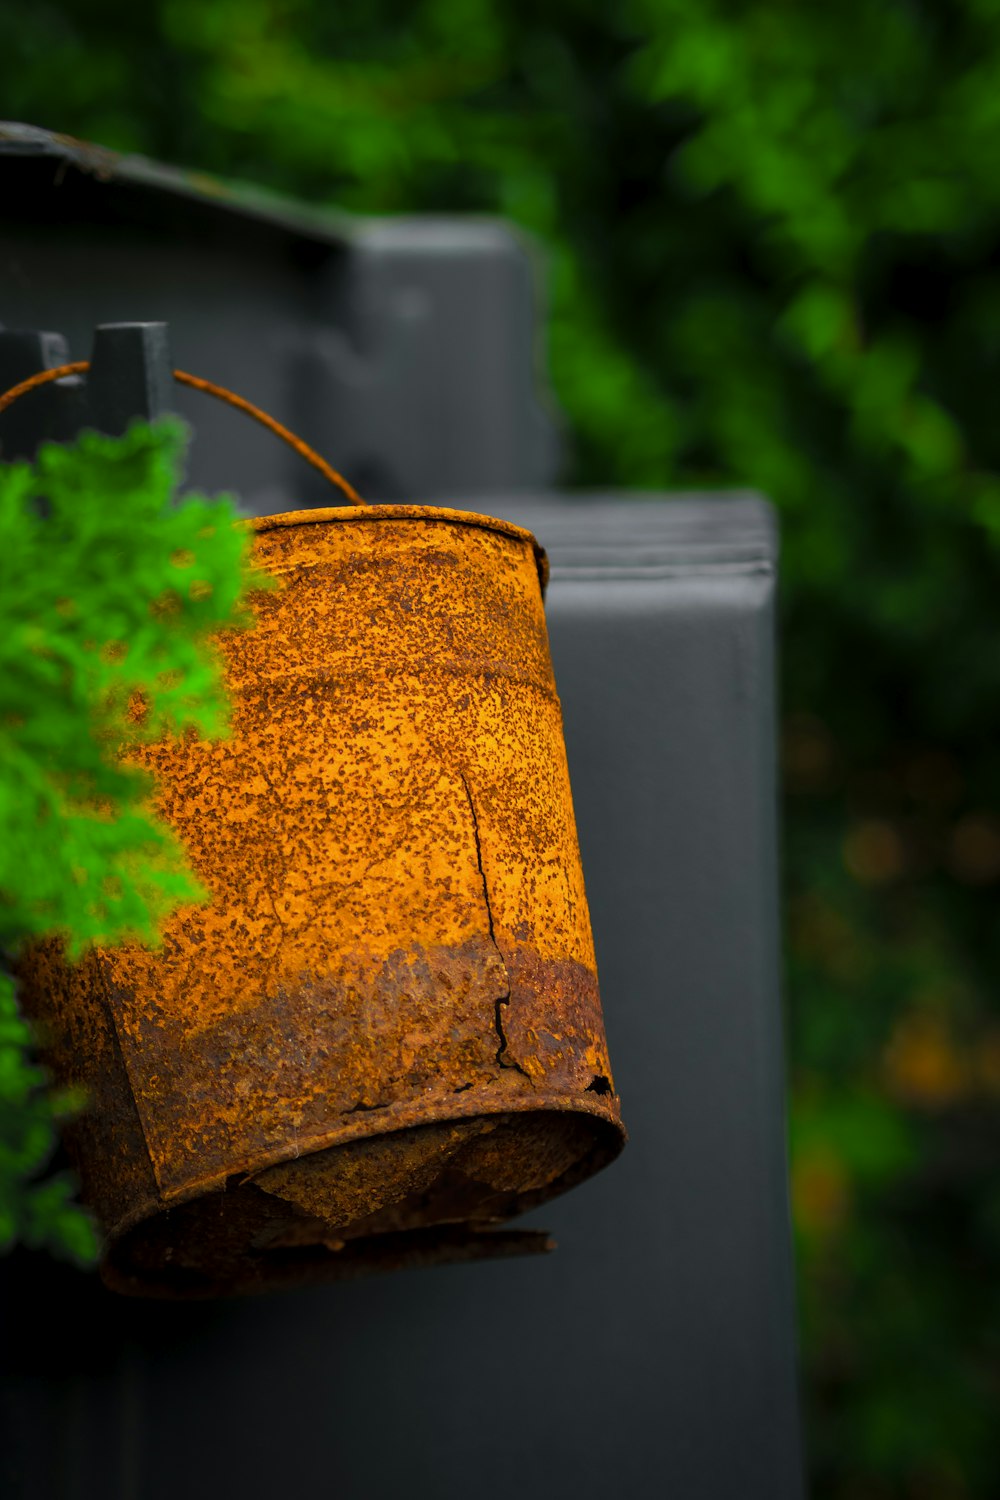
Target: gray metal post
[[655, 1351], [130, 376]]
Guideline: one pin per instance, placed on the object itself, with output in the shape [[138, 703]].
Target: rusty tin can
[[383, 1034]]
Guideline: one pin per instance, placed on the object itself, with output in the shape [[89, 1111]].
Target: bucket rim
[[406, 1114], [321, 515]]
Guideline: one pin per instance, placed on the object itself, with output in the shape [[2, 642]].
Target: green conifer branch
[[111, 592]]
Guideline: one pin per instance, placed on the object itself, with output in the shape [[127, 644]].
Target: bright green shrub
[[109, 594]]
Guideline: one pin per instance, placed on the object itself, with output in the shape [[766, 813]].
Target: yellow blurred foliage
[[821, 1191], [923, 1066], [820, 932], [873, 852]]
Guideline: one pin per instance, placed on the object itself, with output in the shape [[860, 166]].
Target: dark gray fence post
[[130, 376], [655, 1350]]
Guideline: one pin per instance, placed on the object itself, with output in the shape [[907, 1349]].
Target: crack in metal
[[503, 1060], [273, 961]]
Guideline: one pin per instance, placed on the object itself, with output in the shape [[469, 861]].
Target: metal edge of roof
[[327, 225], [105, 165], [646, 533]]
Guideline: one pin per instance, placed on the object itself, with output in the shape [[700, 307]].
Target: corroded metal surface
[[383, 1035]]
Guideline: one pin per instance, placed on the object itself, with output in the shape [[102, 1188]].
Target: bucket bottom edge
[[373, 1196]]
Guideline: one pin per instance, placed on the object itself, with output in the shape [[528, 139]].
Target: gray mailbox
[[654, 1351]]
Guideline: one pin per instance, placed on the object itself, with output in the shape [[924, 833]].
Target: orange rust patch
[[383, 1034]]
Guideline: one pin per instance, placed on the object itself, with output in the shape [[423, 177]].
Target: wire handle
[[80, 366]]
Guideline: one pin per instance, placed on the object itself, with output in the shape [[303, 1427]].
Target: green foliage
[[773, 237], [32, 1211], [109, 595]]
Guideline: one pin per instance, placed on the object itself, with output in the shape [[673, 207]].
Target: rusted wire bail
[[80, 366]]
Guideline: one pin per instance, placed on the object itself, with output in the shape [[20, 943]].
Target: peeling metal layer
[[384, 1030]]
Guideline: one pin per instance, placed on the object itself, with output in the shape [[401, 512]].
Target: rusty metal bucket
[[383, 1035]]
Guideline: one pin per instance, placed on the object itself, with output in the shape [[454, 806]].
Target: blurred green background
[[774, 246]]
